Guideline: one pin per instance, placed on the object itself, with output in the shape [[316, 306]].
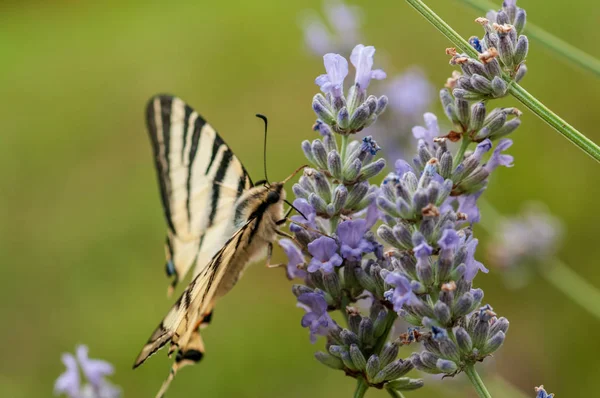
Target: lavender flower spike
[[316, 318], [333, 81], [324, 252], [362, 59]]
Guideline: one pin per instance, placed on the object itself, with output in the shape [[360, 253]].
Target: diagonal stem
[[477, 382], [539, 109]]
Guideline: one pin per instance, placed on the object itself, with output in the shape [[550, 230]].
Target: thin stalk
[[539, 109], [344, 146], [477, 382], [464, 144], [573, 286], [394, 393], [361, 388], [553, 43]]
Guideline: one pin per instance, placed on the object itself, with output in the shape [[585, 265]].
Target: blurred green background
[[81, 225]]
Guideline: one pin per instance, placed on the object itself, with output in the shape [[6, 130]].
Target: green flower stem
[[464, 144], [344, 146], [394, 393], [361, 388], [477, 382], [557, 273], [565, 129], [573, 285], [553, 43]]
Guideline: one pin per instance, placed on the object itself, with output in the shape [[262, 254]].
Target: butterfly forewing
[[200, 180]]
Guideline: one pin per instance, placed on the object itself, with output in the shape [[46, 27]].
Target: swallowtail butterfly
[[218, 222]]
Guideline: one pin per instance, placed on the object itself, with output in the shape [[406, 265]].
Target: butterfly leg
[[269, 255]]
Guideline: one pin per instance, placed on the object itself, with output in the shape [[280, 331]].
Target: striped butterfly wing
[[200, 179], [180, 325]]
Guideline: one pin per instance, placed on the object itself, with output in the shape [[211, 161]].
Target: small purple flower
[[333, 81], [497, 158], [345, 19], [473, 266], [423, 250], [95, 370], [316, 318], [402, 293], [316, 36], [352, 238], [410, 93], [467, 204], [362, 59], [430, 131], [325, 256], [68, 383], [402, 167], [308, 211], [541, 393], [482, 148], [295, 258], [449, 239]]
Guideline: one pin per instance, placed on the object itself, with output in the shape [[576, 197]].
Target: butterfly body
[[217, 223]]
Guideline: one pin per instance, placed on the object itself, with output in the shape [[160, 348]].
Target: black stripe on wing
[[156, 128]]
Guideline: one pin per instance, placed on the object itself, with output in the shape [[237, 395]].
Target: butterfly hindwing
[[200, 180], [196, 302]]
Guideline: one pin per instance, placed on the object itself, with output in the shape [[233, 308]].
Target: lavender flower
[[362, 59], [343, 32], [94, 371], [527, 239], [410, 93], [316, 319], [473, 266], [498, 158], [295, 259], [430, 131], [541, 393], [325, 256], [352, 239], [337, 70], [402, 293]]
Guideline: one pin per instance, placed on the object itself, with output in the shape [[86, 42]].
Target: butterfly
[[218, 222]]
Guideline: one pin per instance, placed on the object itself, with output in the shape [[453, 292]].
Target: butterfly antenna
[[264, 118]]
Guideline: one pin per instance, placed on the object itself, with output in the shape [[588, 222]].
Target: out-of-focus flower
[[410, 93], [529, 238], [541, 393], [94, 371]]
